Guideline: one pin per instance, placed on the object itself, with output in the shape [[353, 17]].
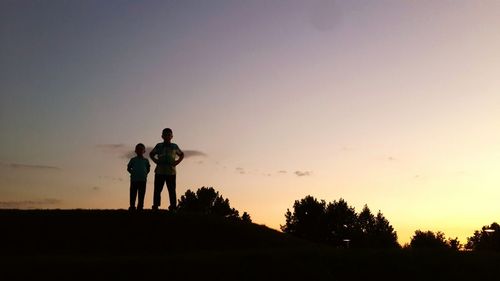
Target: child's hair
[[166, 131], [140, 145]]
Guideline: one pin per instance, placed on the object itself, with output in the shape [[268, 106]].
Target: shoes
[[131, 208]]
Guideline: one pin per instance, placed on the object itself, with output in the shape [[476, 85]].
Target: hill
[[118, 245], [119, 232]]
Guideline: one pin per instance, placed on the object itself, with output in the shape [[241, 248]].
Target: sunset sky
[[395, 104]]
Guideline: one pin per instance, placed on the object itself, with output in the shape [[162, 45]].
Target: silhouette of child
[[138, 167], [165, 154]]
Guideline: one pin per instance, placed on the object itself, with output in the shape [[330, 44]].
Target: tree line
[[336, 223], [339, 225]]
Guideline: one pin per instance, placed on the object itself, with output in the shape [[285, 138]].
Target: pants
[[137, 187], [159, 181]]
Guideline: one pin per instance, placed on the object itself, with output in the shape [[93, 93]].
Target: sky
[[394, 104]]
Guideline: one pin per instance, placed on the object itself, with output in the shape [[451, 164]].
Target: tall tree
[[307, 220], [366, 220], [383, 234], [341, 223]]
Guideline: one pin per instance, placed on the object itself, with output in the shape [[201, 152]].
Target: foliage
[[454, 244], [488, 238], [431, 240], [208, 201], [338, 224]]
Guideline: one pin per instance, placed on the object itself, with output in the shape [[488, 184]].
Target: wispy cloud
[[111, 146], [118, 149], [111, 178], [30, 203], [243, 171], [347, 148], [303, 173], [127, 151], [194, 153], [20, 166], [131, 153]]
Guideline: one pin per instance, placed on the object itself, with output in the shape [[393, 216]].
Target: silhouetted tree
[[208, 201], [307, 220], [341, 222], [366, 220], [488, 238], [431, 240], [383, 234], [337, 222]]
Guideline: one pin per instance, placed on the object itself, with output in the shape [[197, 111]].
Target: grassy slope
[[83, 245]]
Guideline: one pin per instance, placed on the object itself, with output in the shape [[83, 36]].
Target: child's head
[[140, 149], [167, 134]]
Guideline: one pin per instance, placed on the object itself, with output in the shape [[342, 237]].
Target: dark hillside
[[120, 232], [118, 245]]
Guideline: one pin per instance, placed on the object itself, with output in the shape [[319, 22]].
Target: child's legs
[[171, 183], [159, 180], [133, 193], [141, 188]]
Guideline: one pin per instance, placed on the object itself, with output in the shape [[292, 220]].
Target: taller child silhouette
[[165, 155]]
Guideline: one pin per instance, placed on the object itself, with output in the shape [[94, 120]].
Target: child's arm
[[129, 166], [181, 156], [148, 166], [152, 155]]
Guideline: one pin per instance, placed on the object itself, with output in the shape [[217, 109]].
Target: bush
[[431, 240], [488, 238], [208, 201]]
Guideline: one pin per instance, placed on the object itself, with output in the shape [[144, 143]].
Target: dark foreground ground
[[118, 245]]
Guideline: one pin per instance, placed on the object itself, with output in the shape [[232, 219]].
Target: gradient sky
[[395, 104]]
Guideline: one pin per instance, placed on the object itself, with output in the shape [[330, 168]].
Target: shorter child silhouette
[[138, 167]]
